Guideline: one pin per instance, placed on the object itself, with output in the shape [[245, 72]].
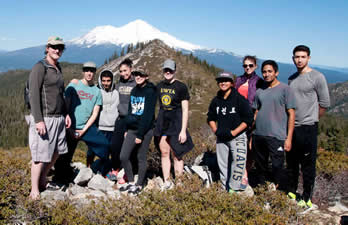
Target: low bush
[[190, 203]]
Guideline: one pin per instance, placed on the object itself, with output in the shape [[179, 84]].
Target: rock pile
[[85, 188]]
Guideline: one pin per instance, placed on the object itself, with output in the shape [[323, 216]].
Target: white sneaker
[[167, 185], [272, 187]]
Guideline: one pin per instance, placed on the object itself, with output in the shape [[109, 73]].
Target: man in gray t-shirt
[[312, 98], [275, 115]]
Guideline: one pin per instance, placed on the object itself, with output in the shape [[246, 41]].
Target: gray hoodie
[[109, 111]]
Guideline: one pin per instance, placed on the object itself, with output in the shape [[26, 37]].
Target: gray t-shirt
[[272, 105], [310, 91]]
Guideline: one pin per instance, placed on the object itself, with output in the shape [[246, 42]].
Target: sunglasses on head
[[248, 65], [89, 69], [167, 70], [57, 47]]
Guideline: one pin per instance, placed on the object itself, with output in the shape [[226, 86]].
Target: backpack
[[26, 88]]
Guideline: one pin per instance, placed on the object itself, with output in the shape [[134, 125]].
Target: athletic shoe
[[302, 204], [308, 206], [123, 180], [231, 191], [134, 190], [291, 196], [272, 187], [126, 187], [112, 175], [53, 186], [167, 185]]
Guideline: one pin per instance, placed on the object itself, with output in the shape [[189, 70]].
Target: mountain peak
[[131, 33]]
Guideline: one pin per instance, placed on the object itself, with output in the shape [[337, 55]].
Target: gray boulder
[[83, 176], [51, 196], [99, 183], [75, 190], [78, 165]]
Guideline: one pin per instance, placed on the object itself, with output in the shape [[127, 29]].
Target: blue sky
[[268, 29]]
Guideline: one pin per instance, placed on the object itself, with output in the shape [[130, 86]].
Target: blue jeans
[[97, 143]]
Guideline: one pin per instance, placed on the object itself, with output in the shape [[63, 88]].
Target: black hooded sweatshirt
[[141, 109], [229, 113]]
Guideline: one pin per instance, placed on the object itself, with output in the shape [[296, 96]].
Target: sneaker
[[126, 187], [308, 206], [123, 180], [112, 175], [167, 185], [134, 190], [231, 191], [302, 204], [291, 196], [53, 187], [272, 187]]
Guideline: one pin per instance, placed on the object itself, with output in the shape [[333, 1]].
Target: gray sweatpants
[[231, 157]]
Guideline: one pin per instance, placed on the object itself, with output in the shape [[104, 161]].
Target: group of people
[[267, 119], [262, 118], [113, 120]]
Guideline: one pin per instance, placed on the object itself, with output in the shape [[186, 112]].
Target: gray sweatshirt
[[46, 91], [109, 110], [124, 88]]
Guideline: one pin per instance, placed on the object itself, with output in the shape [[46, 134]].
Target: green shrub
[[331, 162]]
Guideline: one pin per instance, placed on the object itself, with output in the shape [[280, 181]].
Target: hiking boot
[[167, 185]]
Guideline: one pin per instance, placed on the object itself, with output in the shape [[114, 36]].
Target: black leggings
[[117, 141], [128, 147]]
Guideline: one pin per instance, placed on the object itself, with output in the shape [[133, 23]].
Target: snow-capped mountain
[[131, 33], [102, 41]]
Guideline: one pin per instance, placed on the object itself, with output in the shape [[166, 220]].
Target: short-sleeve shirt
[[83, 99], [172, 94], [272, 105]]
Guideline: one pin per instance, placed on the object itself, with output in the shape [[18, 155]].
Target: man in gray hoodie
[[109, 110], [111, 100]]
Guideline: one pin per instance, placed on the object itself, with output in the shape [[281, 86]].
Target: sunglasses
[[167, 70], [140, 74], [57, 47], [222, 80], [248, 65], [89, 69]]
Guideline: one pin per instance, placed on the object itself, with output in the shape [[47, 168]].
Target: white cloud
[[7, 39]]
